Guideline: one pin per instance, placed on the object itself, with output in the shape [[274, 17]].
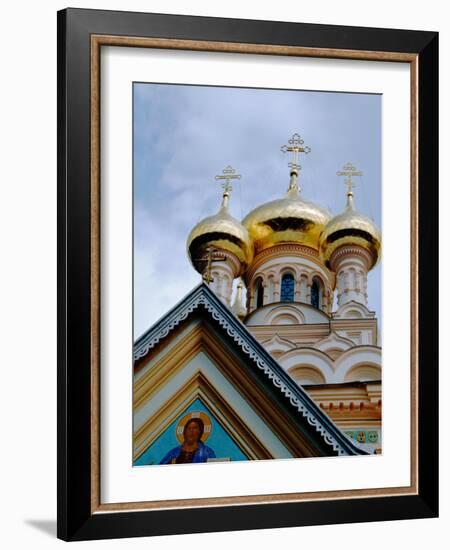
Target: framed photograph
[[248, 302]]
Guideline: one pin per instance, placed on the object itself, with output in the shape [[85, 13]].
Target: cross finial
[[295, 146], [229, 173], [349, 171]]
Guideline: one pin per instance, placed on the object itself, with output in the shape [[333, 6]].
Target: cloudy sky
[[185, 135]]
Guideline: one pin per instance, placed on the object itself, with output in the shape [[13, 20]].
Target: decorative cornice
[[339, 314], [233, 260], [282, 250], [202, 296]]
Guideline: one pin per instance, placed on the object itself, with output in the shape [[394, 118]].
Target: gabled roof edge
[[203, 296]]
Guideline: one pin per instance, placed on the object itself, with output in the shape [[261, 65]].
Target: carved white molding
[[353, 310]]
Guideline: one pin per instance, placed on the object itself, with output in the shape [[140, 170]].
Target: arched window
[[287, 288], [315, 294], [259, 295]]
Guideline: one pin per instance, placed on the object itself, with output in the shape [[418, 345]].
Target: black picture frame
[[76, 518]]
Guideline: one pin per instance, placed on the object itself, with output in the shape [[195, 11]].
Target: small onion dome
[[287, 220], [223, 233], [350, 228]]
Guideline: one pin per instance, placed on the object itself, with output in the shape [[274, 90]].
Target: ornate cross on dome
[[349, 171], [295, 146], [229, 173]]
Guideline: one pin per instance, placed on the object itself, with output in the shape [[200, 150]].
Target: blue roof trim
[[202, 296]]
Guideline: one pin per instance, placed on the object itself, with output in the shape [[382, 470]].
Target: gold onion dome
[[221, 232], [350, 228], [287, 220]]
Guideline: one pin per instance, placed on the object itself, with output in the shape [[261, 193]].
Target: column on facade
[[297, 289], [303, 288], [308, 292], [265, 291], [276, 289]]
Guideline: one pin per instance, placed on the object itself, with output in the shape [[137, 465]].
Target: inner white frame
[[119, 481]]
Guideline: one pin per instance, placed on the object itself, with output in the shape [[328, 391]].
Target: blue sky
[[185, 135]]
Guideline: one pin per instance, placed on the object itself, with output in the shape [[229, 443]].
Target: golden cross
[[212, 255], [295, 146], [229, 173], [349, 171]]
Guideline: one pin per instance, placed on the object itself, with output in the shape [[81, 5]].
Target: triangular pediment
[[202, 334], [216, 437], [198, 364]]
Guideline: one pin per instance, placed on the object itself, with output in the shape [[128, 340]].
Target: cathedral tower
[[350, 246], [287, 267], [292, 257], [219, 246]]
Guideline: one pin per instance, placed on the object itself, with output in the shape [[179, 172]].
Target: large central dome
[[286, 220]]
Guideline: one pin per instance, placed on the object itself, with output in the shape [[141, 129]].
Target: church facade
[[284, 364]]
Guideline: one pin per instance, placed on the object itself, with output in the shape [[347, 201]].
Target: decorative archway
[[363, 373], [307, 374]]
